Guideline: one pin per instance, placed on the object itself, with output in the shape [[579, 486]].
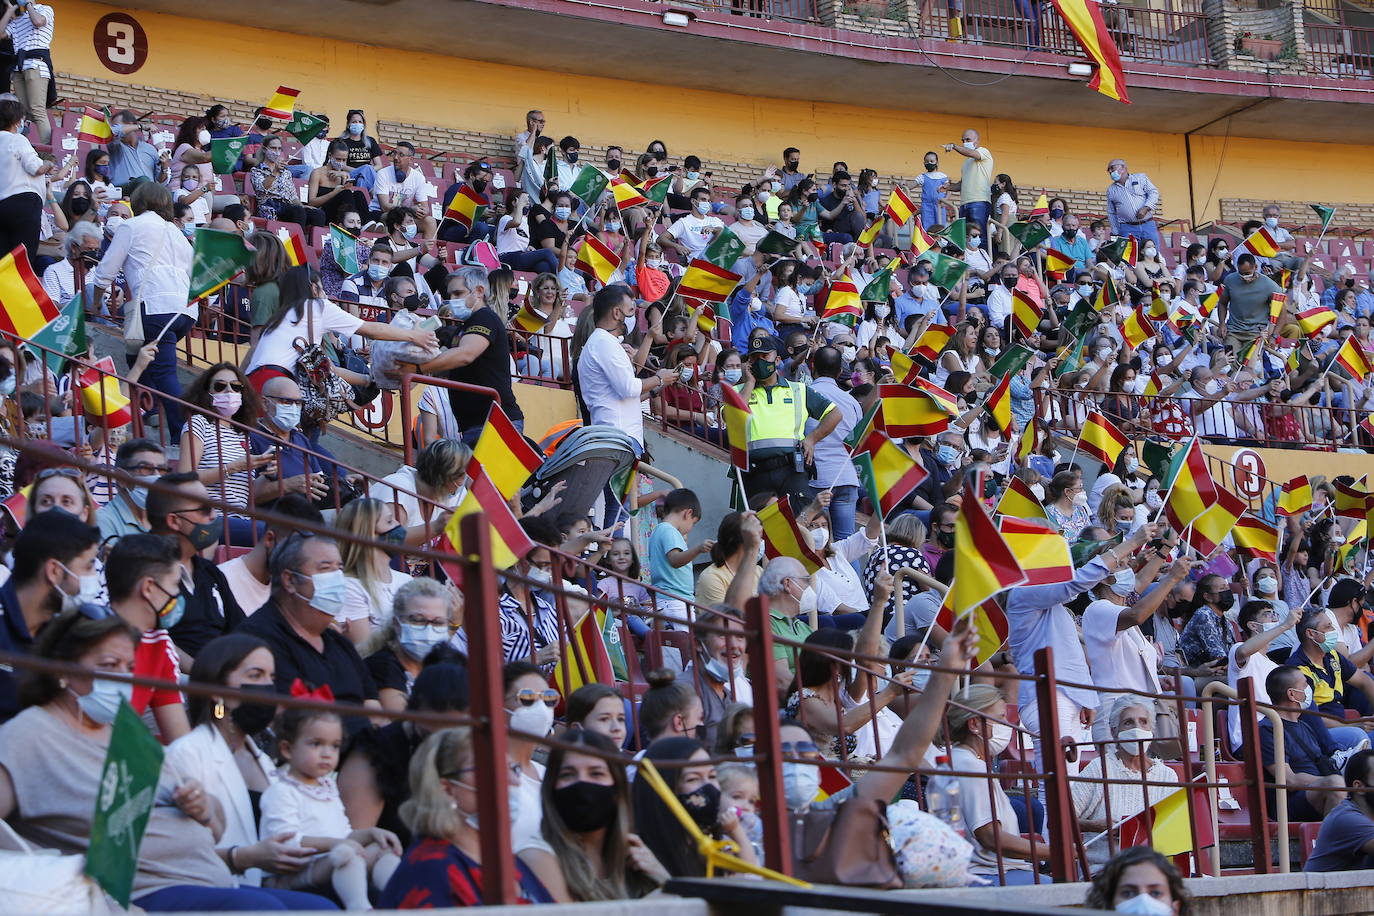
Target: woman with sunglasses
[[216, 450], [529, 708], [585, 850]]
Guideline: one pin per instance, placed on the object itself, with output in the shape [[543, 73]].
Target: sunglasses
[[804, 749], [49, 473], [143, 468], [220, 385], [530, 696]]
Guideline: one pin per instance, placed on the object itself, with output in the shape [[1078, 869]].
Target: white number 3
[[121, 50]]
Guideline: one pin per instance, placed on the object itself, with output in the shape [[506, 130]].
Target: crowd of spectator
[[260, 808]]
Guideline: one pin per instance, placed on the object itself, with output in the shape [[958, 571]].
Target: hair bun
[[661, 677]]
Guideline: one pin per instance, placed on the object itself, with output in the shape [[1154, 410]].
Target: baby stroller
[[587, 458]]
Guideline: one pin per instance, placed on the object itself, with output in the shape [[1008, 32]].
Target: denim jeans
[[364, 176], [472, 434], [161, 374], [185, 898], [454, 231], [843, 501], [1146, 231], [977, 212], [300, 171], [540, 260]]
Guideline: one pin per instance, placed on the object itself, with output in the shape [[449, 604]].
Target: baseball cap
[[762, 344]]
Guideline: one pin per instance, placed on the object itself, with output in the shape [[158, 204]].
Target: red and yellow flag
[[529, 319], [887, 471], [508, 459], [25, 307], [942, 398], [989, 622], [900, 209], [998, 405], [735, 412], [1312, 320], [94, 127], [102, 401], [909, 411], [586, 659], [983, 563], [626, 195], [904, 368], [1137, 329], [1351, 358], [509, 542], [933, 341], [1019, 501], [1029, 442], [842, 304], [294, 243], [1042, 551], [1208, 530], [783, 537], [1084, 19], [1208, 305], [1058, 262], [710, 283], [1256, 538], [870, 233], [596, 260], [1352, 499], [1296, 497], [1025, 312], [1101, 439], [1261, 244], [921, 241], [1190, 486], [467, 207], [282, 104]]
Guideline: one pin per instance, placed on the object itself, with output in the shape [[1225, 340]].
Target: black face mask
[[479, 185], [586, 806], [702, 805], [613, 164], [1009, 282], [1349, 282], [651, 171], [80, 205], [931, 166], [205, 534], [90, 258], [411, 302], [945, 539], [813, 196], [1225, 600], [250, 717], [792, 166]]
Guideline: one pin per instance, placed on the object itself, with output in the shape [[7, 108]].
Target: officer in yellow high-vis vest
[[779, 446]]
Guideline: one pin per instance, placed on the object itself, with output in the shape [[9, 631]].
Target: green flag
[[1073, 358], [1114, 250], [218, 257], [945, 271], [128, 786], [1083, 317], [656, 189], [226, 151], [1012, 360], [589, 185], [777, 243], [1083, 550], [879, 289], [724, 250], [610, 633], [1327, 214], [1029, 234], [1157, 456], [956, 233], [551, 165], [305, 127], [64, 336], [345, 247]]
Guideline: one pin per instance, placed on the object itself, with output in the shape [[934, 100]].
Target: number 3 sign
[[120, 43]]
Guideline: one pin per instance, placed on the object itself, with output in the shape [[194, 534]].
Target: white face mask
[[1080, 499], [1267, 585], [1153, 499], [820, 537], [88, 589], [807, 601], [849, 353], [999, 738], [536, 718], [881, 311], [1039, 490], [1145, 905], [1131, 736], [800, 783]]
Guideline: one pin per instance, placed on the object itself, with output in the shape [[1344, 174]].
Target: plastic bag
[[34, 880], [387, 355], [929, 853]]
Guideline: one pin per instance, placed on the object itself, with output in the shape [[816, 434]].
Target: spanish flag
[[888, 473], [1101, 439], [900, 208], [586, 659], [1261, 244], [1167, 826], [508, 540], [1158, 307], [1296, 497], [942, 398], [998, 405], [1025, 313], [1351, 358], [1041, 207], [921, 241], [626, 196], [904, 368], [989, 622], [1256, 538], [933, 341], [596, 260], [907, 411], [983, 563], [94, 127], [1154, 385], [735, 411], [1137, 329], [1311, 321], [710, 283], [870, 233], [1019, 501], [1028, 443], [1107, 294], [25, 307], [842, 304], [1367, 424], [1209, 529], [1042, 551], [1057, 262], [282, 103], [1276, 304], [467, 207], [783, 537], [529, 319], [102, 401], [1352, 500], [1190, 486], [1208, 305], [1084, 19], [706, 316], [508, 459], [294, 242]]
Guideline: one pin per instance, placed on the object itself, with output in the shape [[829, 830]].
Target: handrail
[[1217, 688]]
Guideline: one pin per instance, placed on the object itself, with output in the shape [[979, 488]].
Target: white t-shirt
[[435, 401], [690, 232], [609, 385], [1257, 668], [289, 807], [412, 188], [360, 602], [790, 303], [247, 591], [275, 347], [200, 207], [1123, 661]]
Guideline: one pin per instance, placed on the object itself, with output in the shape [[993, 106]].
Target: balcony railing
[[1341, 50], [786, 10]]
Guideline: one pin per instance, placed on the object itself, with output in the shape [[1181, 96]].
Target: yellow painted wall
[[335, 75]]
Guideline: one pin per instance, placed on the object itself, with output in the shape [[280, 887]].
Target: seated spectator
[[586, 851], [308, 592], [906, 535], [372, 778], [1309, 767], [1260, 624], [372, 583], [529, 705], [423, 614], [54, 571], [275, 189], [179, 867], [144, 580], [1140, 880], [840, 594], [1330, 675], [293, 463], [65, 489], [81, 246], [690, 235], [513, 241], [264, 275], [729, 553], [528, 617], [367, 287], [132, 158], [717, 670], [1346, 839], [1207, 638], [247, 573], [333, 188], [788, 588], [364, 153], [422, 497], [476, 178], [440, 868], [597, 708], [402, 184], [669, 707], [126, 512], [625, 586]]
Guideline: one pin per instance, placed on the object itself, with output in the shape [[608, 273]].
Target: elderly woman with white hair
[[424, 614], [1131, 721], [82, 243]]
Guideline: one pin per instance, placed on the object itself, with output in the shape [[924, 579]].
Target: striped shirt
[[27, 38], [515, 627], [222, 446]]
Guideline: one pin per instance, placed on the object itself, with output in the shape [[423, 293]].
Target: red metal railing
[[1341, 50]]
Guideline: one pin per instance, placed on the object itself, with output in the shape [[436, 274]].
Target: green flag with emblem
[[217, 258], [345, 248], [725, 249], [128, 790], [224, 152], [879, 289], [1326, 214], [1029, 233], [945, 271], [589, 185], [956, 233], [306, 127], [777, 243], [62, 337]]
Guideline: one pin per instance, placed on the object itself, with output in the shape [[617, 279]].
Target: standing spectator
[[364, 154], [934, 186], [22, 186], [1132, 199], [1243, 303], [670, 560], [834, 469], [29, 24], [133, 159], [607, 382], [975, 180], [778, 447]]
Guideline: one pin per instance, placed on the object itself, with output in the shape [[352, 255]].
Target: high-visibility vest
[[777, 416]]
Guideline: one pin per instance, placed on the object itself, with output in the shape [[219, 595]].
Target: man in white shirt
[[401, 184], [745, 227], [1282, 236], [606, 376], [81, 244], [247, 573], [690, 235], [999, 294]]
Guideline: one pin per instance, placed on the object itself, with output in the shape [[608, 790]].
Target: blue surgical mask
[[746, 212], [732, 376], [331, 589], [1272, 222], [378, 272], [947, 454], [1329, 641], [356, 128], [409, 231], [693, 176], [139, 495], [562, 212], [103, 702], [417, 639], [288, 416], [458, 308], [703, 207], [612, 227]]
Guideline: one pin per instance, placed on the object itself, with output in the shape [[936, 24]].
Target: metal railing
[[1340, 50]]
